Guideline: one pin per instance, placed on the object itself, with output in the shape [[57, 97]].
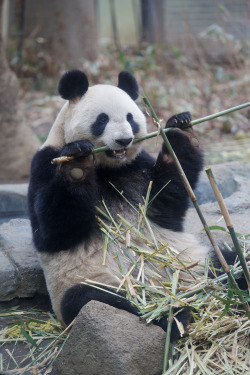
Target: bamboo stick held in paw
[[63, 159]]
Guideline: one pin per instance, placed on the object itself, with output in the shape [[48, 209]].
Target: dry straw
[[218, 313]]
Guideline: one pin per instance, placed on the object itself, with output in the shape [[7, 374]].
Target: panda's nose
[[124, 141]]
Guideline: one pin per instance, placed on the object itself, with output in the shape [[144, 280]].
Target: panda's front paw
[[76, 170], [77, 149], [181, 121]]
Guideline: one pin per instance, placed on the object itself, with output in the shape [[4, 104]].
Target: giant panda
[[63, 198]]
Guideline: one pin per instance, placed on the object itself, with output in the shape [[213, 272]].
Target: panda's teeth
[[119, 152]]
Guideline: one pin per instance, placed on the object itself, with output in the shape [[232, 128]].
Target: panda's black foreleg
[[62, 198], [79, 295], [169, 207], [185, 144]]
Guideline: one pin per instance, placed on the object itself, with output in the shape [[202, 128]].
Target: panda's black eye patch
[[99, 125], [133, 124]]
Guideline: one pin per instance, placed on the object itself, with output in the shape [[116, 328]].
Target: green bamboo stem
[[195, 203], [170, 322], [222, 113], [228, 222], [62, 159]]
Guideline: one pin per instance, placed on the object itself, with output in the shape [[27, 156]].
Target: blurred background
[[187, 55]]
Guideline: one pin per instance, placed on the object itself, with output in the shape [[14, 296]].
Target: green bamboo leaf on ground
[[28, 337]]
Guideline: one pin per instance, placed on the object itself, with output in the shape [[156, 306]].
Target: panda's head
[[104, 114]]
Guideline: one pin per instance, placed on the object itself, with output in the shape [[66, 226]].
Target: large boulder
[[225, 179], [234, 177], [13, 202], [20, 272], [108, 341]]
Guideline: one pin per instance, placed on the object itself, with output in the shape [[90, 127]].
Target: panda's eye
[[102, 118], [129, 117], [133, 124], [99, 125]]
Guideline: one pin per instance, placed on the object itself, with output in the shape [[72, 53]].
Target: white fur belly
[[186, 244], [66, 268]]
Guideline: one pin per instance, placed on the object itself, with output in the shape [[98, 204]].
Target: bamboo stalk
[[195, 203], [222, 113], [228, 222], [170, 322], [204, 285], [62, 159]]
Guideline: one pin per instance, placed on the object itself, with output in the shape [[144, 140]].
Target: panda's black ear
[[128, 83], [73, 84]]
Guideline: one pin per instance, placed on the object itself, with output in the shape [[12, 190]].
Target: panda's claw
[[181, 121], [77, 148]]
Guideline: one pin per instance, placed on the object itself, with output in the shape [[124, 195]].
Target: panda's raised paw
[[181, 121], [77, 148], [77, 169]]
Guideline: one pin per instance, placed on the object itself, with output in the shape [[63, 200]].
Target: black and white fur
[[62, 198]]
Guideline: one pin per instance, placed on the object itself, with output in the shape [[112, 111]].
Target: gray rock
[[20, 272], [238, 202], [108, 341], [8, 279], [20, 189], [238, 205], [13, 202], [225, 179]]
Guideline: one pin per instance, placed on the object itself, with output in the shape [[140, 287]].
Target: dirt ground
[[17, 353]]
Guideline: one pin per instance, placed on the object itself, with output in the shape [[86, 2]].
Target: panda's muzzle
[[124, 141], [120, 153]]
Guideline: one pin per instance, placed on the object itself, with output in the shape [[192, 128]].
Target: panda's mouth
[[117, 154]]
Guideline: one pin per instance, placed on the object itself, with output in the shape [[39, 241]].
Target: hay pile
[[218, 340]]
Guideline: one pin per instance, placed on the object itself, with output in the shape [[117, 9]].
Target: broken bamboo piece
[[228, 222]]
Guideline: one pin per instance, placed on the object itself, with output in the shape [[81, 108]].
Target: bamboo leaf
[[28, 337], [217, 227]]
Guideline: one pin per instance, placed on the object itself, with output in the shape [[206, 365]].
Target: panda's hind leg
[[79, 295], [231, 258], [183, 315]]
